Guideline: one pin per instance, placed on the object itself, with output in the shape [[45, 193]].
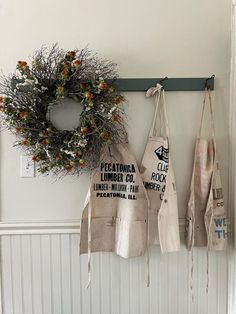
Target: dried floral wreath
[[53, 75]]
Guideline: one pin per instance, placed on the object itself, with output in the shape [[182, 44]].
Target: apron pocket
[[131, 237], [102, 234]]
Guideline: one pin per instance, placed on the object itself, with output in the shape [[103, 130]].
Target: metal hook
[[162, 80], [209, 78]]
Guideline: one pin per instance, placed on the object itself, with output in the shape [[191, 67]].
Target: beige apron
[[158, 176], [206, 213], [115, 215]]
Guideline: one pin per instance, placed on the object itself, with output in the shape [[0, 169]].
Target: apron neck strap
[[207, 96], [160, 108]]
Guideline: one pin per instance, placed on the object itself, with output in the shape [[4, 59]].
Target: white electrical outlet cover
[[27, 167]]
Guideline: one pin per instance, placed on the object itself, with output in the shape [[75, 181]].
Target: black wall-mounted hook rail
[[207, 81], [170, 84]]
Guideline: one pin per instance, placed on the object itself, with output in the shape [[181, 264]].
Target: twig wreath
[[34, 89]]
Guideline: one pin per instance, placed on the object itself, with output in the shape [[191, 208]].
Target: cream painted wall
[[152, 38]]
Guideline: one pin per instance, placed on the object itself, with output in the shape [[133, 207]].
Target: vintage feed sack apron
[[114, 218], [206, 213], [158, 177]]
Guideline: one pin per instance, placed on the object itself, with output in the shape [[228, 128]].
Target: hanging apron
[[206, 213], [159, 180], [114, 218]]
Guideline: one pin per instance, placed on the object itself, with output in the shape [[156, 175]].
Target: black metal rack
[[169, 84]]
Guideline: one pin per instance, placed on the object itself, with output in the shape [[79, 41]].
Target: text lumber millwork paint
[[122, 175]]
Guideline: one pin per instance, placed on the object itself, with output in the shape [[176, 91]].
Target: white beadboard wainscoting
[[43, 273]]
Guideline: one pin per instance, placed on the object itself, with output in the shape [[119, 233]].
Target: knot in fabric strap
[[153, 90]]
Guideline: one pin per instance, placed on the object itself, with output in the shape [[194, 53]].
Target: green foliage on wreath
[[53, 75]]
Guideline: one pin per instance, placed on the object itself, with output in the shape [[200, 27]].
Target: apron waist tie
[[148, 267], [89, 245], [207, 272], [191, 275]]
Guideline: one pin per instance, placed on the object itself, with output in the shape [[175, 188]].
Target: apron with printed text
[[206, 213], [159, 180], [114, 218]]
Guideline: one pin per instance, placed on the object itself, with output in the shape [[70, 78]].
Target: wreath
[[52, 76]]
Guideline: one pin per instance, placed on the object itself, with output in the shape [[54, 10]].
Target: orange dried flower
[[68, 168], [71, 54], [24, 114], [25, 142], [82, 163], [58, 156], [89, 95], [45, 141], [118, 99], [65, 73], [35, 158], [116, 118], [105, 135], [22, 64], [67, 64], [84, 130], [18, 130], [76, 63], [103, 86], [78, 154], [93, 123]]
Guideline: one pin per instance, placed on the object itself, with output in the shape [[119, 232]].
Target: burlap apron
[[114, 218], [206, 213], [158, 176]]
